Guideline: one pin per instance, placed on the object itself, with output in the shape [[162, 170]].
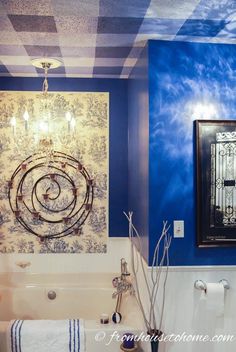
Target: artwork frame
[[216, 182], [89, 145]]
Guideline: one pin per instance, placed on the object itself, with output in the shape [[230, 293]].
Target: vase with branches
[[153, 284]]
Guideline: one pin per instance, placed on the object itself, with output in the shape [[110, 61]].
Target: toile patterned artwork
[[56, 203]]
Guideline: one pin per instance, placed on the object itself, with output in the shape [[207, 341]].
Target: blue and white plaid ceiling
[[103, 38]]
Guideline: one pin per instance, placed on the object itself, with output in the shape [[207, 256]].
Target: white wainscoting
[[185, 313]]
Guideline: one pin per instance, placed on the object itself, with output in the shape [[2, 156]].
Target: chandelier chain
[[46, 66]]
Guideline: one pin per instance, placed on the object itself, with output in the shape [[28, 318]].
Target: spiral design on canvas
[[51, 198]]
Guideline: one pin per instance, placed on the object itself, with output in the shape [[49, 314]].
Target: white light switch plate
[[178, 228]]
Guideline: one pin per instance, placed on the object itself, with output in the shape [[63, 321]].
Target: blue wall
[[182, 82], [138, 108], [118, 162], [187, 81]]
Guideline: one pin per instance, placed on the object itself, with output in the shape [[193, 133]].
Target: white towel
[[46, 335]]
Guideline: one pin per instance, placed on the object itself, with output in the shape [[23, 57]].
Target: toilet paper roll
[[215, 299]]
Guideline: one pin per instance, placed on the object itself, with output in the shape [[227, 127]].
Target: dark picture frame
[[216, 182]]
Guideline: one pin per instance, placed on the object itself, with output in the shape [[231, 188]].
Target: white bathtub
[[86, 296]]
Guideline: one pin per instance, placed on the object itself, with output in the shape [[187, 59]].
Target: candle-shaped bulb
[[26, 118], [68, 116], [13, 124], [26, 115], [73, 123], [13, 121]]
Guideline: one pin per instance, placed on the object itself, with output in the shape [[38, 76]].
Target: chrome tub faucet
[[122, 283]]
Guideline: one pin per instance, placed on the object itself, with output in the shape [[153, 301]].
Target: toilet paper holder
[[201, 285]]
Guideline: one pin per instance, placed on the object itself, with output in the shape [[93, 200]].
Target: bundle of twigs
[[153, 285]]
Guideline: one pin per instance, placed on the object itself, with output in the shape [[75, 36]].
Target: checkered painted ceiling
[[103, 38]]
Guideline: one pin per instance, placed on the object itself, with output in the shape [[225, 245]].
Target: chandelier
[[48, 131], [50, 192]]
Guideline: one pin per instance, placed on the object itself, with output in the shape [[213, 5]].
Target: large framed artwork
[[54, 174], [216, 182]]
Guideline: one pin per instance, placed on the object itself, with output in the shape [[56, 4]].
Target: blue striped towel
[[46, 335]]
